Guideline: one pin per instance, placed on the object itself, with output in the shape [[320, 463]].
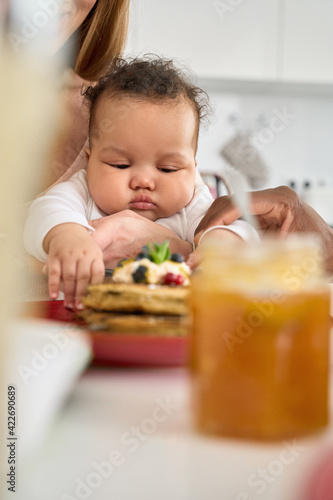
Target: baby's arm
[[216, 232], [57, 232], [239, 230], [73, 258]]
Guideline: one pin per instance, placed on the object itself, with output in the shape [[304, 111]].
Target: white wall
[[289, 65], [301, 148]]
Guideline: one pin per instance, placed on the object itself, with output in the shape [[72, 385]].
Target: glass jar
[[260, 341]]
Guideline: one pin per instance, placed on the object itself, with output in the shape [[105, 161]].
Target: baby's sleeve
[[240, 227], [199, 206], [196, 210], [65, 202]]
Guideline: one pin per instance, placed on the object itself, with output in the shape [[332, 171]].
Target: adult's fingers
[[222, 212], [95, 223], [275, 209], [104, 236]]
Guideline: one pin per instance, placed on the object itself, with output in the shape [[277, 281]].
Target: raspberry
[[173, 279]]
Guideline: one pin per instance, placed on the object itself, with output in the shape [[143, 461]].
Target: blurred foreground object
[[48, 357], [260, 321], [28, 118], [319, 485], [279, 211], [28, 90]]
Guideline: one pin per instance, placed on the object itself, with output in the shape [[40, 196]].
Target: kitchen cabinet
[[237, 40], [308, 41], [230, 39]]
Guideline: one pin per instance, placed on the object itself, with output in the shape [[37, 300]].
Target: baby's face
[[142, 157]]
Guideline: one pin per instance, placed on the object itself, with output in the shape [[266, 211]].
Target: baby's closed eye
[[122, 166]]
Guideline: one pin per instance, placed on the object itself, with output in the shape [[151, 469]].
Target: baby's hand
[[75, 259], [194, 259], [197, 256]]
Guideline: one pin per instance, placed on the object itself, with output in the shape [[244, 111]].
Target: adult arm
[[125, 233], [71, 136], [278, 210]]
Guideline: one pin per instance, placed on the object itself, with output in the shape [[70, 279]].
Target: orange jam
[[260, 342]]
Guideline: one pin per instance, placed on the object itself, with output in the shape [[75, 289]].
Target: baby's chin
[[147, 214]]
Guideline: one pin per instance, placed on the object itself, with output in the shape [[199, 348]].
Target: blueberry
[[121, 262], [140, 274], [144, 254], [109, 272], [176, 257], [140, 256]]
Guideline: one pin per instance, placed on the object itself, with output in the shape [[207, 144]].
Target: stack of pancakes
[[141, 307]]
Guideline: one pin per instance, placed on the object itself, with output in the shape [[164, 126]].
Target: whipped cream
[[155, 272]]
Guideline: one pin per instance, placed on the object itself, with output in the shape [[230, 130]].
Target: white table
[[126, 434], [119, 417]]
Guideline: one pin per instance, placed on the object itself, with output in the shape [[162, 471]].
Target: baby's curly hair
[[149, 78]]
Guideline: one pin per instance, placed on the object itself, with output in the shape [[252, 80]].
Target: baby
[[144, 127]]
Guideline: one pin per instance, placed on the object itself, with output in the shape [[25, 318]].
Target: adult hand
[[278, 210], [124, 234]]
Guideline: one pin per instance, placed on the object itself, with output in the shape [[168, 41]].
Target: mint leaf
[[159, 253], [163, 251]]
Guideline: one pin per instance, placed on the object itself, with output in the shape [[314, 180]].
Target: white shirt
[[71, 201]]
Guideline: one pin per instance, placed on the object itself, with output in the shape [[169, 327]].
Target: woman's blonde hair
[[102, 37]]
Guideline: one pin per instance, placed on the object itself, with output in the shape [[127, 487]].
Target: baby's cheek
[[182, 199], [189, 193], [107, 200]]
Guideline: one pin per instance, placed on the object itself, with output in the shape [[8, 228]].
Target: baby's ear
[[87, 152]]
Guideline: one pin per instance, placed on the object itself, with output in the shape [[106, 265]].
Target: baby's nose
[[143, 179]]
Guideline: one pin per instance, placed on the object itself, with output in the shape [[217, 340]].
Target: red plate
[[121, 350]]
